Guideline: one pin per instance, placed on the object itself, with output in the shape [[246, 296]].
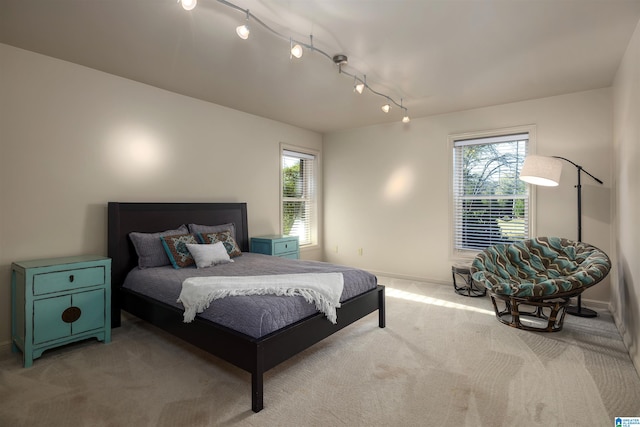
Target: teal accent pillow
[[227, 240], [176, 248]]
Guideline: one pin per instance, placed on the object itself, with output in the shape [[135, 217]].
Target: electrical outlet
[[360, 251]]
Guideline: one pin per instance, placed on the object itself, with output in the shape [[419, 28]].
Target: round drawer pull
[[71, 278], [71, 314]]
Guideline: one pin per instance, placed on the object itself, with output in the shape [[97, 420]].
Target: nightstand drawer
[[285, 247], [57, 281]]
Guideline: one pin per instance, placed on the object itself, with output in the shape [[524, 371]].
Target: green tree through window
[[298, 195], [291, 210], [490, 202]]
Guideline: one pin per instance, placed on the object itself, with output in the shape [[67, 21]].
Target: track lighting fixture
[[297, 49], [340, 59], [405, 118], [188, 4], [359, 87], [243, 30]]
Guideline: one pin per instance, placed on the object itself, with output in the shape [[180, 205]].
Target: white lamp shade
[[541, 170]]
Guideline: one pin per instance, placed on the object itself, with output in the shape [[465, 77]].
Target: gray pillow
[[204, 229], [149, 247]]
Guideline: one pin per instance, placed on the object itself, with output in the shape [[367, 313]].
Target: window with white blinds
[[299, 180], [490, 203]]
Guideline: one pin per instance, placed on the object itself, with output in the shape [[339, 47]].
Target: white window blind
[[298, 195], [490, 203]]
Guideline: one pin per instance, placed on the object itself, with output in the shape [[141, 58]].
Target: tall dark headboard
[[152, 217]]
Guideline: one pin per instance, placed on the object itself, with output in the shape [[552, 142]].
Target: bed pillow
[[176, 248], [209, 255], [149, 247], [225, 237], [202, 229]]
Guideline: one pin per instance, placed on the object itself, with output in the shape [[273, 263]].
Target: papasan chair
[[532, 281]]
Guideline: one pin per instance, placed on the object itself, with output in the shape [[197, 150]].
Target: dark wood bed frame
[[254, 355]]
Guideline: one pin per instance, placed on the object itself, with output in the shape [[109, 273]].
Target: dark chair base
[[526, 312]]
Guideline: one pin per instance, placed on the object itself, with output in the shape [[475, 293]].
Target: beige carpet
[[442, 360]]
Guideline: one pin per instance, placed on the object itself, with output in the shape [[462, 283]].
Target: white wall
[[73, 138], [625, 299], [387, 186]]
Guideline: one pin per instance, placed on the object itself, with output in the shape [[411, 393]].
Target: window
[[299, 182], [490, 203]]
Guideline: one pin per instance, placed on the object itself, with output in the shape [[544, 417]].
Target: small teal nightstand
[[276, 245], [58, 301]]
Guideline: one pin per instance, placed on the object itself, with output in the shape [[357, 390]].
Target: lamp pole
[[578, 310]]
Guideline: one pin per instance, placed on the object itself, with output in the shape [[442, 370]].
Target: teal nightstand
[[58, 301], [276, 245]]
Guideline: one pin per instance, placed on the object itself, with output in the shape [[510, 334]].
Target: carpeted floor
[[443, 359]]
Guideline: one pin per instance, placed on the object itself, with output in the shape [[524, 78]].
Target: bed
[[255, 355]]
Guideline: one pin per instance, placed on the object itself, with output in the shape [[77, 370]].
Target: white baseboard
[[626, 338], [596, 305], [413, 278]]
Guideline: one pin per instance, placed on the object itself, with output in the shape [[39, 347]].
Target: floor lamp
[[540, 170]]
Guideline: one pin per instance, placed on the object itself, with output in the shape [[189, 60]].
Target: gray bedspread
[[257, 315]]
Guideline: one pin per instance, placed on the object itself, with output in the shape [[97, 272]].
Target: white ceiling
[[437, 56]]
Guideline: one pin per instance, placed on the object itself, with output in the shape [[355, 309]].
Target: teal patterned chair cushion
[[540, 267]]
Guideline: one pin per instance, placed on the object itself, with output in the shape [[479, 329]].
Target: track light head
[[359, 85], [296, 51], [188, 4], [406, 119], [340, 59], [386, 108], [243, 31]]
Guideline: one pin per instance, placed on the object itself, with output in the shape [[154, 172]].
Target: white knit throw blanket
[[322, 289]]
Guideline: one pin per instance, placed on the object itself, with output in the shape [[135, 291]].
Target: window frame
[[466, 255], [315, 208]]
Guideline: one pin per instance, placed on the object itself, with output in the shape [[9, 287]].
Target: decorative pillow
[[176, 248], [225, 237], [202, 229], [149, 247], [209, 255]]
